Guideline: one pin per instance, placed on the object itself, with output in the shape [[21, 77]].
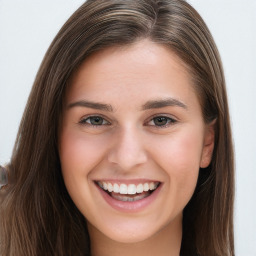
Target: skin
[[129, 145]]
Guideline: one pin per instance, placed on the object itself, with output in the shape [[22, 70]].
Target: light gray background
[[27, 28]]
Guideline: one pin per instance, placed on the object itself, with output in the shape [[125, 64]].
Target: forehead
[[145, 52], [143, 69]]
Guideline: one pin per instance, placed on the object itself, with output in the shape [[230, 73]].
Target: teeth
[[130, 189], [105, 186], [123, 189], [110, 187], [146, 187], [116, 188], [129, 199], [139, 188], [152, 186]]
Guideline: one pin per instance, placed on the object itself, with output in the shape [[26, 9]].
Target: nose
[[127, 150]]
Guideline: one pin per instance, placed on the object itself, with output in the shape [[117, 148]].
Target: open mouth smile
[[128, 196], [128, 192]]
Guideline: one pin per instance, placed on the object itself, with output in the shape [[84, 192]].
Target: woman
[[125, 146]]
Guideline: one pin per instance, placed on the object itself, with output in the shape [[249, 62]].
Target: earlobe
[[208, 145]]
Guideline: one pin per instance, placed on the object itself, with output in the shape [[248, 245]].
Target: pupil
[[96, 120], [160, 121]]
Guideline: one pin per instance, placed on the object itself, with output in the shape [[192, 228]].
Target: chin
[[128, 237]]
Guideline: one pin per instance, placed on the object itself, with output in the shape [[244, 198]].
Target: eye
[[94, 121], [161, 121]]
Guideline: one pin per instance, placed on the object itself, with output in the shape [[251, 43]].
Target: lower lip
[[130, 207]]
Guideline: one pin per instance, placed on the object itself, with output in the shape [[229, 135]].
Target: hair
[[37, 215]]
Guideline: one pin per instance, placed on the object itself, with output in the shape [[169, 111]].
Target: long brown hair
[[37, 215]]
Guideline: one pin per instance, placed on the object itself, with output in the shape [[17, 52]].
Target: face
[[132, 141]]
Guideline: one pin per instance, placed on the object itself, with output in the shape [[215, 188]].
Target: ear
[[208, 144]]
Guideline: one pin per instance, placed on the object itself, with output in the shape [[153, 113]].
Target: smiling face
[[133, 124]]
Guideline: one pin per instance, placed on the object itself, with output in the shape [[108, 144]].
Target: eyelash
[[84, 121], [170, 121]]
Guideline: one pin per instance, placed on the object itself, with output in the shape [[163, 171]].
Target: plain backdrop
[[27, 28]]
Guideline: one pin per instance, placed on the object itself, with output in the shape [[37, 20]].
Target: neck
[[166, 242]]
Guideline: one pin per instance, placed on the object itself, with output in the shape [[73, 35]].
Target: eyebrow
[[152, 104], [169, 102], [90, 104]]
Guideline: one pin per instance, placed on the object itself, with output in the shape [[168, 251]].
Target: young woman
[[125, 144]]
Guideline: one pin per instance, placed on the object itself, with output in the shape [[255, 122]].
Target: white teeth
[[105, 186], [139, 188], [110, 187], [129, 199], [116, 188], [146, 187], [130, 189], [123, 189], [152, 186]]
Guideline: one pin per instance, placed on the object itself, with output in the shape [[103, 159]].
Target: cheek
[[179, 157], [185, 154], [182, 149], [80, 152]]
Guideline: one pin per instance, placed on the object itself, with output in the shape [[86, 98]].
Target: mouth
[[128, 192]]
